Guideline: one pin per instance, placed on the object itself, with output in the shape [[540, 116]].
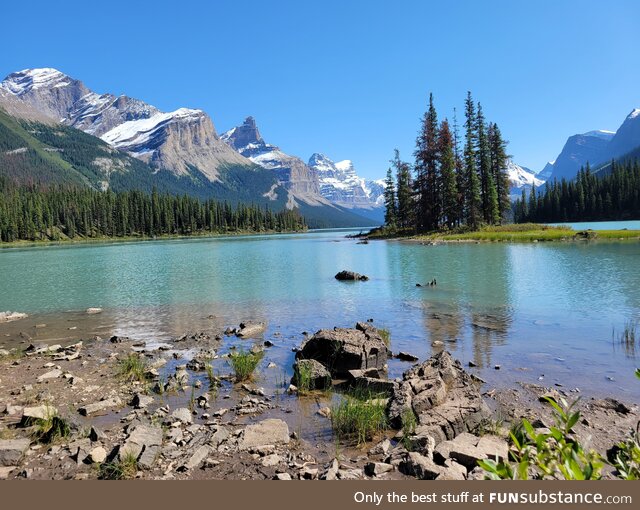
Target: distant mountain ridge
[[595, 147]]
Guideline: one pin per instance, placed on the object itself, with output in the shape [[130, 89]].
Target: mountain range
[[178, 151], [596, 147]]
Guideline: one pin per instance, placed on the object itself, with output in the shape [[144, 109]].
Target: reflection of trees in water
[[488, 329]]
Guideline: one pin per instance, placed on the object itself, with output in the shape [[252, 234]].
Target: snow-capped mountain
[[291, 171], [521, 178], [340, 183], [180, 142]]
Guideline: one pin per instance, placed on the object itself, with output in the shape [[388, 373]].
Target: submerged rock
[[351, 276], [250, 329], [442, 396], [344, 349]]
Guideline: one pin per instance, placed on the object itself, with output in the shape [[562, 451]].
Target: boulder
[[250, 329], [442, 396], [467, 449], [100, 406], [344, 349], [421, 467], [377, 468], [267, 432], [405, 356], [319, 376], [41, 412], [351, 276], [98, 455], [12, 450], [183, 415], [196, 459], [142, 438]]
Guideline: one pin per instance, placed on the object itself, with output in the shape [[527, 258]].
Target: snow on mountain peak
[[634, 113], [600, 133], [20, 82], [520, 177]]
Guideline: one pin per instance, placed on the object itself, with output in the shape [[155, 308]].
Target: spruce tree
[[487, 183], [426, 168], [473, 200], [448, 185], [405, 214], [390, 213], [499, 160]]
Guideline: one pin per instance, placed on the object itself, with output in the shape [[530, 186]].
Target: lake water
[[548, 313], [603, 225]]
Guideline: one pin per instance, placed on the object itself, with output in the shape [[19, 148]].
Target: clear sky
[[349, 78]]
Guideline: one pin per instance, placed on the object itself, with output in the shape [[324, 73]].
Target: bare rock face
[[344, 349], [442, 396]]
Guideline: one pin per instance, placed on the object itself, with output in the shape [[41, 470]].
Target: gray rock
[[98, 455], [351, 276], [467, 449], [182, 415], [141, 437], [141, 401], [12, 450], [382, 448], [100, 406], [344, 349], [41, 412], [405, 356], [250, 329], [331, 473], [442, 395], [267, 432], [271, 460], [51, 374], [419, 466], [148, 456], [282, 476], [197, 458], [319, 376], [377, 468]]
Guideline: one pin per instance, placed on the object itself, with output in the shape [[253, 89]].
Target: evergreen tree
[[448, 184], [498, 150], [487, 183], [473, 200], [426, 168], [405, 214], [390, 213]]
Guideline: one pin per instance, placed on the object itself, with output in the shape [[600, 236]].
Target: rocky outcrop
[[442, 396], [343, 349], [346, 276], [311, 372]]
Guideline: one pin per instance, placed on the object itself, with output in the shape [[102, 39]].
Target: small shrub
[[124, 469], [556, 454], [359, 416], [132, 368], [244, 363]]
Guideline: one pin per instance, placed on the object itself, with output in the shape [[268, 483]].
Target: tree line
[[448, 186], [610, 195], [56, 212]]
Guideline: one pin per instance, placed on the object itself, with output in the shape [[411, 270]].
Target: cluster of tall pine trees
[[448, 187], [610, 195], [56, 212]]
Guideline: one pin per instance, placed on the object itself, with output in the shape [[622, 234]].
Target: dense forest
[[449, 187], [613, 194], [59, 212]]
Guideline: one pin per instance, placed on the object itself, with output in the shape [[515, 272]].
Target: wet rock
[[93, 310], [344, 349], [12, 451], [351, 276], [318, 376], [141, 401], [405, 356], [198, 336], [267, 432], [12, 316], [442, 396], [100, 406], [250, 329]]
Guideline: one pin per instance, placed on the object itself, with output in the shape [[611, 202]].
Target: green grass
[[359, 416], [409, 424], [132, 368], [303, 378], [627, 338], [124, 469], [244, 363], [519, 232], [49, 429], [385, 334]]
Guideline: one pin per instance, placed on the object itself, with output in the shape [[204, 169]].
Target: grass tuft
[[385, 334], [124, 469], [244, 363], [359, 416], [132, 368], [49, 429]]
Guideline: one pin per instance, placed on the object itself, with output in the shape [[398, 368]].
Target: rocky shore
[[112, 408]]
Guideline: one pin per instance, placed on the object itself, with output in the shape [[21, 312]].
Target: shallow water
[[547, 313], [603, 225]]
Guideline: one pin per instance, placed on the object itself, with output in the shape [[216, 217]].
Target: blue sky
[[349, 79]]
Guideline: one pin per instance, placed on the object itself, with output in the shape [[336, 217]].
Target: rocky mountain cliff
[[181, 142]]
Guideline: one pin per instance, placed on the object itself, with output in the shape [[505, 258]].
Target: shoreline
[[207, 427]]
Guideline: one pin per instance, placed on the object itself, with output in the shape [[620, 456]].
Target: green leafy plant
[[627, 459], [244, 363], [556, 454]]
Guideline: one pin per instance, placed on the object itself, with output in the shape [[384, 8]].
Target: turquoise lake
[[548, 313]]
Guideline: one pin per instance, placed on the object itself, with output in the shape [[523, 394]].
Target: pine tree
[[460, 180], [405, 214], [426, 168], [499, 158], [487, 183], [448, 184], [473, 200], [390, 214]]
